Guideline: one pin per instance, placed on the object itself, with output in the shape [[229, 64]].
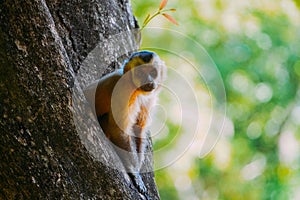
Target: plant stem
[[149, 19], [158, 12]]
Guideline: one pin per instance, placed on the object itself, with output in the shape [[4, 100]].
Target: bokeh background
[[255, 45]]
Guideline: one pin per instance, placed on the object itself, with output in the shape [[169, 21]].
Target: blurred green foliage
[[256, 47]]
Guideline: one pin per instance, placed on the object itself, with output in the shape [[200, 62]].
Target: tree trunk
[[51, 146]]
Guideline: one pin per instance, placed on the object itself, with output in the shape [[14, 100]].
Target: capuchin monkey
[[123, 101]]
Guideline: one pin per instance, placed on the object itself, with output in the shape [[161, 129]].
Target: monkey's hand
[[139, 184]]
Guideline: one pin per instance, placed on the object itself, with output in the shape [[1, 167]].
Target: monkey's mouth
[[148, 87]]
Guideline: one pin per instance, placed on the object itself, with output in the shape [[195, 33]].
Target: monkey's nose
[[146, 56], [148, 87]]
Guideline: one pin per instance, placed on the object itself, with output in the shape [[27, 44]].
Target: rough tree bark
[[45, 154]]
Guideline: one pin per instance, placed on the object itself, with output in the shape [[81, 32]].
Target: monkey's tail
[[139, 184]]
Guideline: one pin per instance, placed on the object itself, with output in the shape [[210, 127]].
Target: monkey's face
[[145, 77], [147, 70]]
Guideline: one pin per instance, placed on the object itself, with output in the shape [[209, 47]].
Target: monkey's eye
[[153, 73]]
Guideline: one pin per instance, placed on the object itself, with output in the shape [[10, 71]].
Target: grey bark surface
[[43, 45]]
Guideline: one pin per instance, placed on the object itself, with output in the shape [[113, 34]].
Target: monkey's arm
[[104, 92]]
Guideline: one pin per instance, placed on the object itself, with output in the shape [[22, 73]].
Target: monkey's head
[[147, 70]]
